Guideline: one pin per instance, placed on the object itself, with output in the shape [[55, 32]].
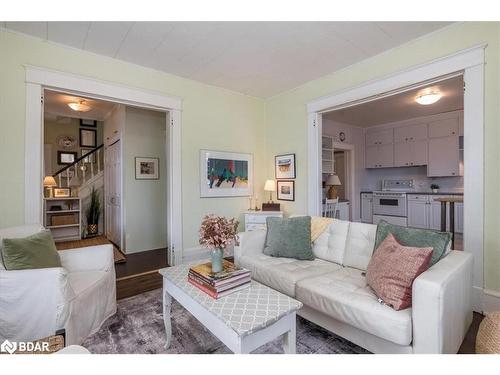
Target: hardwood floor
[[469, 344], [140, 273]]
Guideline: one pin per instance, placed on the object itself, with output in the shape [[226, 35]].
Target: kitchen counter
[[421, 192]]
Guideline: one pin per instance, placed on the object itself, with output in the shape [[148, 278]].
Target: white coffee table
[[243, 321]]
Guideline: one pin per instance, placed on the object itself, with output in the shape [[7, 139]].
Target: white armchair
[[77, 297]]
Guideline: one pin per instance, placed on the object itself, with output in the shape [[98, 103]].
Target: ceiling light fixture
[[79, 106], [430, 98]]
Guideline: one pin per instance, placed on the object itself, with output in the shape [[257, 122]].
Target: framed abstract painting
[[225, 174]]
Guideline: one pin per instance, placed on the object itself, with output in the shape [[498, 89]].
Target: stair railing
[[91, 160]]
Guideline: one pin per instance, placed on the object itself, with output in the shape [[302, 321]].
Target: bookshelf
[[63, 217]]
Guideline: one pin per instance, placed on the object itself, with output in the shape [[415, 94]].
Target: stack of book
[[231, 279]]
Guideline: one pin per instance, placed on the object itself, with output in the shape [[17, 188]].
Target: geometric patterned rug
[[137, 327]]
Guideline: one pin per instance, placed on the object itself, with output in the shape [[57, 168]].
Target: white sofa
[[77, 297], [335, 295]]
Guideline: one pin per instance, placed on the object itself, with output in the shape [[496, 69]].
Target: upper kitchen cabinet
[[444, 148], [444, 158], [410, 133], [379, 156], [444, 128], [379, 137]]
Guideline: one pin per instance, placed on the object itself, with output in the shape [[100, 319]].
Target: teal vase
[[217, 256]]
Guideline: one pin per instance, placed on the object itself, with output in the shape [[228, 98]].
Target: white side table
[[255, 220]]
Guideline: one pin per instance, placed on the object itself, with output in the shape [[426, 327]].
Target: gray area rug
[[137, 328]]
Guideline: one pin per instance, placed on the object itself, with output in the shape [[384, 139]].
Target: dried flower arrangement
[[217, 232]]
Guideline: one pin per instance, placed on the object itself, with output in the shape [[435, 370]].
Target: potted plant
[[216, 234], [93, 213], [435, 188]]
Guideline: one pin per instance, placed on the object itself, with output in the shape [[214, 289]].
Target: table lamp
[[270, 186], [49, 182], [332, 180]]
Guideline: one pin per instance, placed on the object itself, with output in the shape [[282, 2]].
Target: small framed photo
[[90, 158], [147, 168], [66, 157], [88, 138], [286, 190], [62, 192], [284, 166], [88, 123]]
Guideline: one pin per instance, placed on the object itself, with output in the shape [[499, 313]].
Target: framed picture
[[62, 192], [90, 158], [147, 168], [225, 174], [284, 166], [66, 157], [88, 123], [286, 190], [88, 138]]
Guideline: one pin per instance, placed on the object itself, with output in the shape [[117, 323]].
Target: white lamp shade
[[270, 185], [49, 181], [333, 180]]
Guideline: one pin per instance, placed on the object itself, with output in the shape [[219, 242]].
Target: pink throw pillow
[[392, 269]]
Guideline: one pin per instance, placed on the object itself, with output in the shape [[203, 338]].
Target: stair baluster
[[99, 161]]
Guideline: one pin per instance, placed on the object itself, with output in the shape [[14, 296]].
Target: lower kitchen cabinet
[[418, 211], [424, 212]]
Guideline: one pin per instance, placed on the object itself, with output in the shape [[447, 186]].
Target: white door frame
[[350, 163], [38, 79], [471, 63]]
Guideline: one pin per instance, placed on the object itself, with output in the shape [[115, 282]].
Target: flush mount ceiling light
[[79, 106], [429, 98]]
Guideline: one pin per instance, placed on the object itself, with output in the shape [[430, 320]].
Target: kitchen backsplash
[[373, 178]]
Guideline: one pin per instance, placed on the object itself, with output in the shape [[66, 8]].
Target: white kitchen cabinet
[[408, 154], [379, 137], [366, 208], [380, 156], [435, 213], [418, 211], [410, 133], [444, 157], [444, 128]]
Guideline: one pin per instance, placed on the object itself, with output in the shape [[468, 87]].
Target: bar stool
[[444, 202]]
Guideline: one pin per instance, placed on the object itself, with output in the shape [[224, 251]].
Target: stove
[[389, 204]]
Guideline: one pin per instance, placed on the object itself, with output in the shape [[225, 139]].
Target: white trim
[[440, 67], [491, 301], [471, 61], [314, 131], [33, 178], [38, 79], [101, 89], [349, 149]]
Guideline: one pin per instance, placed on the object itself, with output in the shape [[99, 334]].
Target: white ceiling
[[402, 106], [56, 106], [256, 58]]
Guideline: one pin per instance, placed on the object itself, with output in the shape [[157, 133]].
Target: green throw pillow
[[36, 251], [415, 237], [289, 238]]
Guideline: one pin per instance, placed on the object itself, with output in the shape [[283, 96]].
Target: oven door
[[393, 206]]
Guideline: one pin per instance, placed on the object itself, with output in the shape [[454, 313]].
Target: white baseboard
[[491, 300]]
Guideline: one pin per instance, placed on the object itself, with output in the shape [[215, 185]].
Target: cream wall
[[212, 118], [286, 115], [144, 201]]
